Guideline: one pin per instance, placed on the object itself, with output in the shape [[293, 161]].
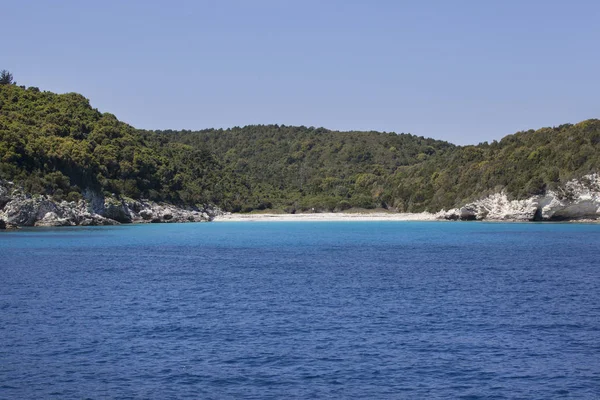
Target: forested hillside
[[523, 164], [302, 168], [59, 145]]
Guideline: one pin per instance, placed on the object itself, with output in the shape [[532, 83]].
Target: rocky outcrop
[[20, 209], [5, 193], [147, 211], [576, 200], [117, 210], [23, 210], [52, 219]]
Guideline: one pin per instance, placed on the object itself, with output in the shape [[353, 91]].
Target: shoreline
[[327, 217], [578, 202], [320, 217], [376, 216]]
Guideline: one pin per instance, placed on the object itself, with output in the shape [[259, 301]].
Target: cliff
[[20, 209], [575, 200]]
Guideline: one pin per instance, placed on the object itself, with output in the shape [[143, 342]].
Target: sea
[[301, 310]]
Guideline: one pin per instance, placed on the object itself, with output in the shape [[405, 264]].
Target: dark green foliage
[[59, 145], [302, 168], [523, 164], [299, 168], [6, 77]]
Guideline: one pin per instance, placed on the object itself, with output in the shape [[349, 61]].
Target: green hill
[[523, 164], [57, 144], [302, 168]]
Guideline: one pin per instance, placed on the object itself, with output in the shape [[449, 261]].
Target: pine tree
[[6, 78]]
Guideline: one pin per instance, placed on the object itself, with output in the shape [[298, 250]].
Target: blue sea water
[[301, 310]]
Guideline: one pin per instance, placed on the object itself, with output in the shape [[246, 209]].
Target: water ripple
[[334, 310]]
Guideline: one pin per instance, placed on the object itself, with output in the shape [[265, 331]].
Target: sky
[[462, 71]]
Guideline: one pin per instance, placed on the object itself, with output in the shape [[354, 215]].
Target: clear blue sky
[[463, 71]]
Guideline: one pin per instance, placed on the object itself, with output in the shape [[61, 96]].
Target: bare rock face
[[146, 214], [20, 209], [498, 207], [42, 211], [466, 213], [94, 201], [52, 219], [117, 210], [148, 211], [5, 189], [576, 200], [24, 211]]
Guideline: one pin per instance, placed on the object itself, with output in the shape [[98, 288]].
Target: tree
[[6, 78]]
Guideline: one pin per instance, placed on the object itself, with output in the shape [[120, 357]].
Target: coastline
[[327, 217], [318, 217], [580, 203], [374, 216]]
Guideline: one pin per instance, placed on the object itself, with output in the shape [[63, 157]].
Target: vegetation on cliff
[[523, 164], [59, 145]]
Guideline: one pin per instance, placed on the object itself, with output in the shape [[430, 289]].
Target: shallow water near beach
[[301, 310]]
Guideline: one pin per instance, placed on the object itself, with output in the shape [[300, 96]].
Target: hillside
[[302, 168], [524, 164], [58, 145]]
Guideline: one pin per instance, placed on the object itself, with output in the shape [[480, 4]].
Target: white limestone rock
[[52, 219], [576, 200]]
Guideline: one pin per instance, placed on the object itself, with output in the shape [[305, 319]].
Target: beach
[[375, 216]]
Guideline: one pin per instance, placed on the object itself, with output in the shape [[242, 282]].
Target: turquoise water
[[301, 310]]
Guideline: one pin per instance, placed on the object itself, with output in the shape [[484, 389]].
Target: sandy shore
[[328, 217], [375, 216]]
